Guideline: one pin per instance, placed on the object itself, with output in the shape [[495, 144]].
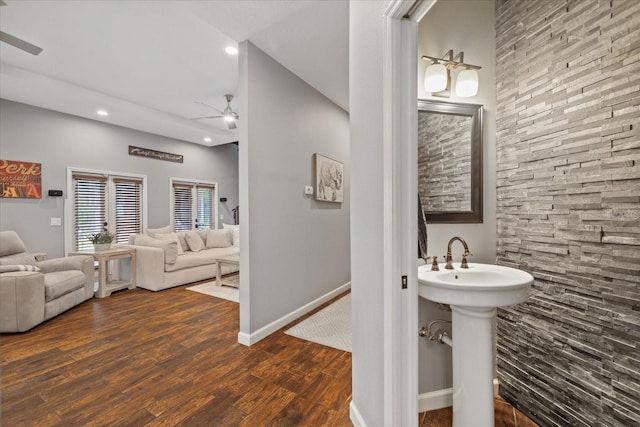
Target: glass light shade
[[435, 78], [467, 83], [228, 118]]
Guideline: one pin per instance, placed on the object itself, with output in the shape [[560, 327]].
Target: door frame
[[400, 174]]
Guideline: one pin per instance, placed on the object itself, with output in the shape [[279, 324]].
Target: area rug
[[224, 292], [331, 326]]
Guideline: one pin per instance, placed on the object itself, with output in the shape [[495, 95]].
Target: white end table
[[232, 279], [106, 286]]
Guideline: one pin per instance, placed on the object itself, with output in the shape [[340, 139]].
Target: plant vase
[[97, 247]]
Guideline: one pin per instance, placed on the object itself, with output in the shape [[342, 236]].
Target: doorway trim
[[400, 99]]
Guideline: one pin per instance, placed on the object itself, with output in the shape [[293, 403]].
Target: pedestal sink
[[473, 294]]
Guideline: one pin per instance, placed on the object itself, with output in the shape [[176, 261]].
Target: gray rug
[[210, 288], [331, 326]]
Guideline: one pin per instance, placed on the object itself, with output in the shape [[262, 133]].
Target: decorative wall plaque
[[154, 154]]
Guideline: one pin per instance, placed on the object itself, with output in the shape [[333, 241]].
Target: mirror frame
[[475, 112]]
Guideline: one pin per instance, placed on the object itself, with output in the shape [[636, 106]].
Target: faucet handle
[[434, 265], [464, 263]]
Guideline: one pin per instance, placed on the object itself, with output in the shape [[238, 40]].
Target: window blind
[[90, 208], [182, 202], [205, 194], [128, 204]]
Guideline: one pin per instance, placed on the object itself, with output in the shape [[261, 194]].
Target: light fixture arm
[[450, 61]]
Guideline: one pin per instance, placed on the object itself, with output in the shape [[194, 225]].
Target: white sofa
[[166, 259]]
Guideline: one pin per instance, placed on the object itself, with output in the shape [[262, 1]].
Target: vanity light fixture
[[437, 76]]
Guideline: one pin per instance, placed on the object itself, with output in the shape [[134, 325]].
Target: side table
[[106, 286], [234, 280]]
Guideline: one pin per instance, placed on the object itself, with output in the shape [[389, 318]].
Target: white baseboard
[[435, 400], [442, 398], [355, 417], [265, 331]]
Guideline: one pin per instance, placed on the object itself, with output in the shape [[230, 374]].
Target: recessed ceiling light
[[102, 112], [231, 50], [207, 139]]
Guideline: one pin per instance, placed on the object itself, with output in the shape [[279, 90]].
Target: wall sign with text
[[155, 154], [20, 179]]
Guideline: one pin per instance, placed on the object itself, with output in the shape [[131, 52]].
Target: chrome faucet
[[449, 258]]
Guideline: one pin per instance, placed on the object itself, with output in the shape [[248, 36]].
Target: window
[[128, 207], [100, 198], [194, 205], [90, 208]]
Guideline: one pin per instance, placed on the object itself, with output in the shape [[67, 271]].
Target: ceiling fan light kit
[[228, 115]]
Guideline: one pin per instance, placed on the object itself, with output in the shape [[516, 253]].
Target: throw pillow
[[202, 232], [171, 237], [18, 267], [18, 259], [218, 239], [164, 230], [183, 241], [194, 241], [235, 233], [170, 247]]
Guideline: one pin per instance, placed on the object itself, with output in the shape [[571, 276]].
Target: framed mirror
[[450, 161]]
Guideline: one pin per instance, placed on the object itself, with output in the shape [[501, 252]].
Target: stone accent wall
[[444, 161], [568, 190]]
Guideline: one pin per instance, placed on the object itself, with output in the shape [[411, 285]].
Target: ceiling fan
[[227, 114], [19, 43]]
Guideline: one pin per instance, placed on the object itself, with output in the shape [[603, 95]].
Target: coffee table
[[232, 279]]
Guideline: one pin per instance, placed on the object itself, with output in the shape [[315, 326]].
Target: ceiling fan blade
[[207, 117], [207, 105], [19, 43], [232, 125]]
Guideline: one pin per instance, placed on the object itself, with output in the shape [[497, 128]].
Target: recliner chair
[[31, 291]]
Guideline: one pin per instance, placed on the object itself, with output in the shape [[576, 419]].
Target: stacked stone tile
[[568, 190], [444, 162]]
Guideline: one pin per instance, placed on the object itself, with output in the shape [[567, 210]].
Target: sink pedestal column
[[472, 334]]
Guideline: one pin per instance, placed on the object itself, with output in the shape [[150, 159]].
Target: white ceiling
[[149, 63]]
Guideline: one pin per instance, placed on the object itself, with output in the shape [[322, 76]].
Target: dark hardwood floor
[[505, 416], [170, 358], [167, 358]]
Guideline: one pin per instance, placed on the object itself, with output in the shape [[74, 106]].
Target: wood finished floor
[[172, 358], [505, 416]]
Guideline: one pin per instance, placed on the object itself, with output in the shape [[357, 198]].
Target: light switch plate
[[56, 222], [308, 190]]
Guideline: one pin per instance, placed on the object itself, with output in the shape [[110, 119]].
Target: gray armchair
[[32, 292]]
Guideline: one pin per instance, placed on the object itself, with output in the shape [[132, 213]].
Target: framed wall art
[[20, 179], [329, 179]]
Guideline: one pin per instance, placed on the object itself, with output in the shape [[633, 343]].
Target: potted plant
[[102, 240]]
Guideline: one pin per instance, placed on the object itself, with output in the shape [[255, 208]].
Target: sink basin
[[480, 285]]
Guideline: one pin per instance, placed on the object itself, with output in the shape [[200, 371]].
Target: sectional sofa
[[165, 259]]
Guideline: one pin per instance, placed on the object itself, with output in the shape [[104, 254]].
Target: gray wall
[[468, 26], [59, 140], [298, 248], [367, 208], [569, 208]]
